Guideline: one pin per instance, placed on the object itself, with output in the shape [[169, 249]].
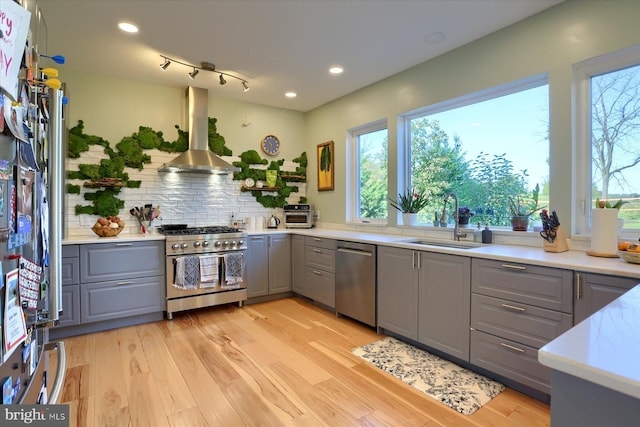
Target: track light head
[[245, 85], [222, 80], [165, 65], [193, 74]]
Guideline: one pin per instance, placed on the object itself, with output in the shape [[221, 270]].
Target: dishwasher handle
[[355, 252]]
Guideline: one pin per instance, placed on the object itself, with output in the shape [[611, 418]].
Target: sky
[[514, 124]]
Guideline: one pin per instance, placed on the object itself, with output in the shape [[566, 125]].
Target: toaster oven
[[298, 216]]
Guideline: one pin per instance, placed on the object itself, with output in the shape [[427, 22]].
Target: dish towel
[[187, 269], [209, 271], [233, 268]]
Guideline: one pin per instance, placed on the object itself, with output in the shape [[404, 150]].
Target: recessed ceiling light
[[290, 94], [127, 27], [335, 70]]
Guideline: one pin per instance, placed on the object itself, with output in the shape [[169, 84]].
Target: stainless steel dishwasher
[[356, 281]]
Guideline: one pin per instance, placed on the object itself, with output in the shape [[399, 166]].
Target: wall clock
[[270, 145]]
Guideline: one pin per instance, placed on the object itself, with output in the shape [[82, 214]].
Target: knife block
[[559, 244]]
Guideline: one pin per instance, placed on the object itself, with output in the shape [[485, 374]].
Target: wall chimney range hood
[[198, 158]]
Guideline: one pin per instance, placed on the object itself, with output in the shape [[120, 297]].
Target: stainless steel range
[[205, 266]]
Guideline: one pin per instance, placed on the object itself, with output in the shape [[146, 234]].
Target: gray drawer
[[522, 323], [119, 299], [320, 242], [70, 306], [100, 262], [321, 258], [544, 287], [70, 251], [321, 286], [70, 268], [511, 360]]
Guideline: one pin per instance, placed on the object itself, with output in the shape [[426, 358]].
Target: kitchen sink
[[446, 243]]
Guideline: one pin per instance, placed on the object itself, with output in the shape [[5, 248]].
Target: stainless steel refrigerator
[[31, 188]]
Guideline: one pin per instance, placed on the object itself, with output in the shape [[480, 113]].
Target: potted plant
[[522, 208], [464, 214], [410, 203]]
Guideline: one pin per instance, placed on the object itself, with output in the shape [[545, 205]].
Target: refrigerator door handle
[[56, 204], [61, 369]]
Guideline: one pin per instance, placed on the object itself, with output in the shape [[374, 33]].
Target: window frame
[[581, 116], [353, 176], [404, 157]]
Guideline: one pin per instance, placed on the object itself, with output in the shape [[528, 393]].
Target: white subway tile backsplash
[[194, 199]]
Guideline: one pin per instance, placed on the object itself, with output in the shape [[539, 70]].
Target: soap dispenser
[[486, 234]]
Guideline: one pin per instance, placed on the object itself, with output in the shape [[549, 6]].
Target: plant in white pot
[[410, 203]]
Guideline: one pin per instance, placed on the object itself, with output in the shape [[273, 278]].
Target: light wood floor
[[283, 362]]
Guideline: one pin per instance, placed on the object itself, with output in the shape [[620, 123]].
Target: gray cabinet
[[425, 297], [268, 265], [111, 284], [594, 291], [320, 264], [121, 260], [444, 292], [515, 310], [121, 298], [398, 291], [70, 268], [298, 264]]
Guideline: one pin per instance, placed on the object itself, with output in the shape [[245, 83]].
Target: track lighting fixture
[[206, 66], [165, 65]]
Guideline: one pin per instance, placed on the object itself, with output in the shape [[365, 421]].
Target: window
[[483, 147], [369, 150], [607, 140]]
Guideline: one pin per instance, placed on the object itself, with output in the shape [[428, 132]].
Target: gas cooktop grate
[[187, 231]]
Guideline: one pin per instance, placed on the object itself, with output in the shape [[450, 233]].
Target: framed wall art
[[324, 153]]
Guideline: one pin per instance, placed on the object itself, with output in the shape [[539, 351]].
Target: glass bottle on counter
[[477, 234]]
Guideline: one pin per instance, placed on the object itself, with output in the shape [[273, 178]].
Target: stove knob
[[240, 242], [175, 246], [196, 244], [233, 243], [217, 244], [225, 243], [205, 244], [184, 245]]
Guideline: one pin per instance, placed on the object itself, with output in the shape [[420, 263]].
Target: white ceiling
[[277, 45]]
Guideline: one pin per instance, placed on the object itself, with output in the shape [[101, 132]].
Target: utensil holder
[[559, 244]]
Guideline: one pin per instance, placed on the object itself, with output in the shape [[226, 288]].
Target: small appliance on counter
[[298, 216], [273, 222]]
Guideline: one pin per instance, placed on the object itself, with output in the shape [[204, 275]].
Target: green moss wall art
[[108, 177]]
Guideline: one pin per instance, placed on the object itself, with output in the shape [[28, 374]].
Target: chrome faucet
[[457, 234]]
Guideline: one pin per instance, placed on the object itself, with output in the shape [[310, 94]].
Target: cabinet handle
[[124, 244], [126, 282], [419, 258], [513, 267], [318, 251], [413, 259], [578, 286], [316, 239], [510, 347], [514, 308], [317, 273]]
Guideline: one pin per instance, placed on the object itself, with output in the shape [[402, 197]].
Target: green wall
[[551, 42]]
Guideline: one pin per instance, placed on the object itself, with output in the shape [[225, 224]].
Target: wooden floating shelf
[[292, 177], [260, 189], [109, 182]]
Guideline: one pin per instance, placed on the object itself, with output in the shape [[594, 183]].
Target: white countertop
[[573, 260], [604, 348]]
